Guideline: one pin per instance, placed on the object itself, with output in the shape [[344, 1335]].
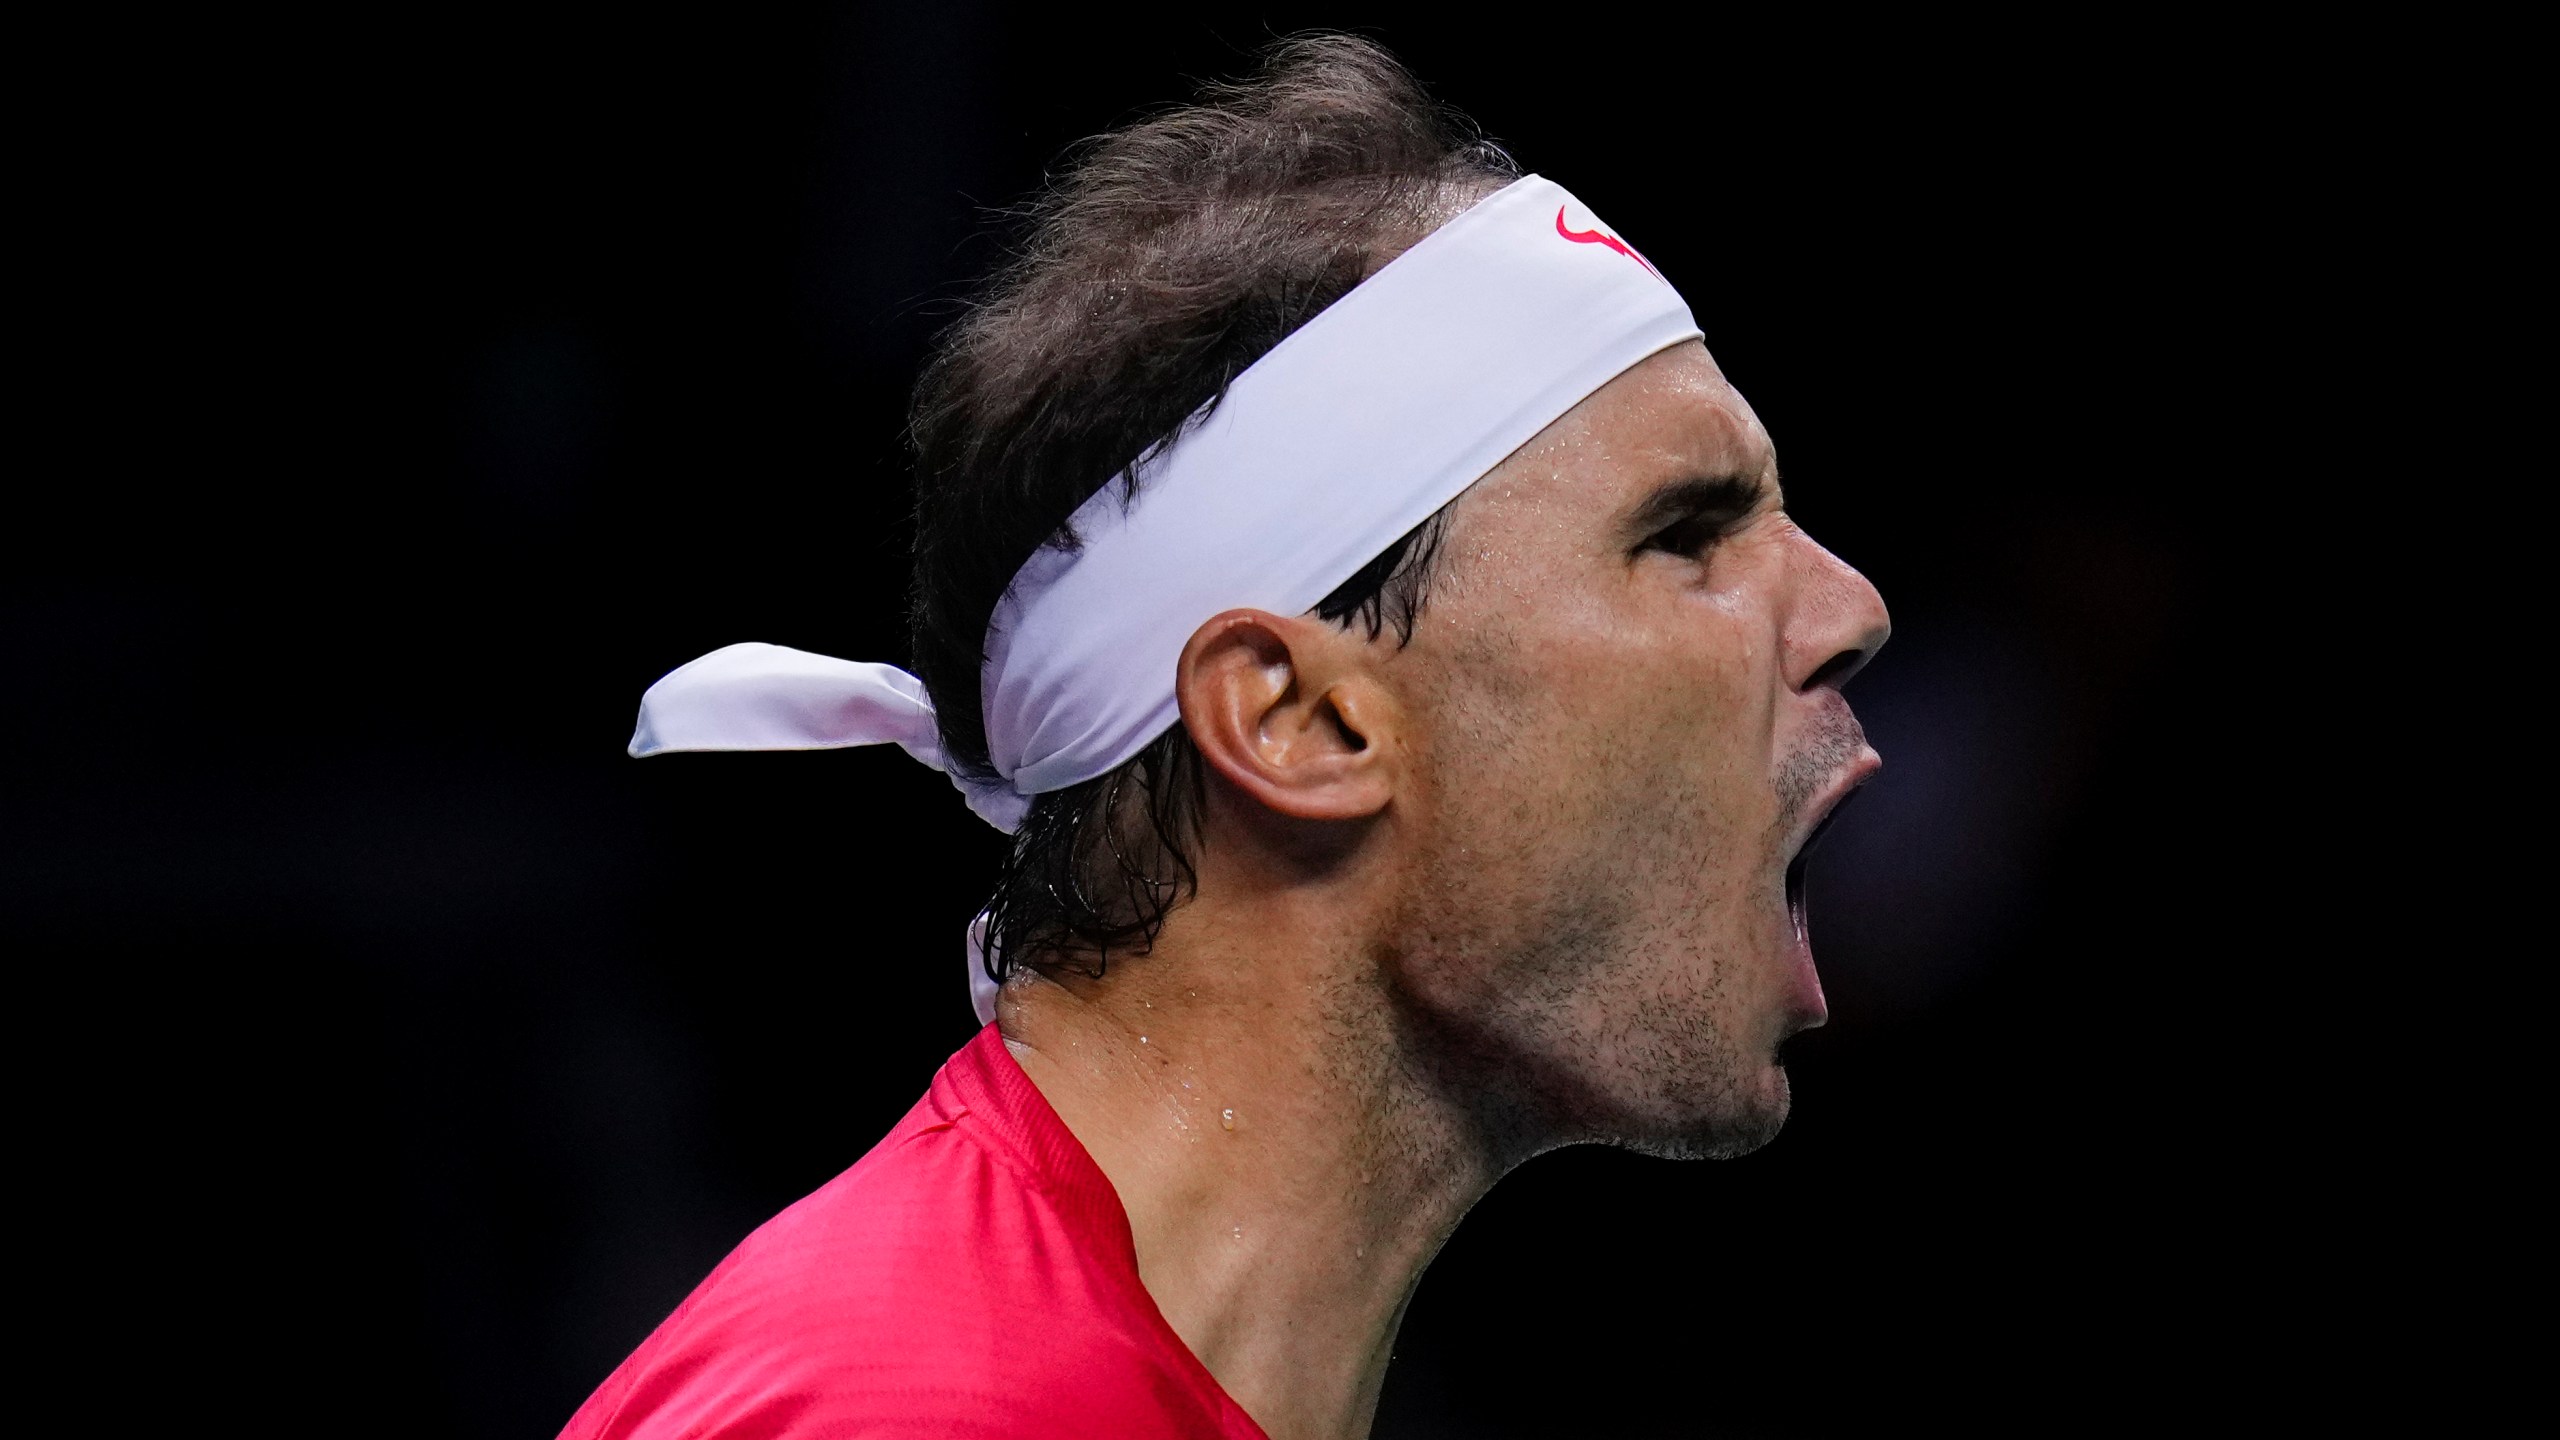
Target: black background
[[430, 385]]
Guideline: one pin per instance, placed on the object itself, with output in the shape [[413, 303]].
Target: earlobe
[[1287, 712]]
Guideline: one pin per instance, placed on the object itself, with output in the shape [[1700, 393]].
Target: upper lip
[[1848, 778]]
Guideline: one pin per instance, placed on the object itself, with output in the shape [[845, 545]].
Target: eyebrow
[[1732, 495]]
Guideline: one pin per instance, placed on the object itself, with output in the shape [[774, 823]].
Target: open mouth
[[1804, 854]]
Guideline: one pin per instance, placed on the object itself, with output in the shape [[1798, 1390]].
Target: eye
[[1690, 516], [1692, 534]]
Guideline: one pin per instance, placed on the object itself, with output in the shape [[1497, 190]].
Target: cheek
[[1566, 723], [1674, 690]]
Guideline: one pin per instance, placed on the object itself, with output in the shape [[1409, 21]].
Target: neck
[[1287, 1177]]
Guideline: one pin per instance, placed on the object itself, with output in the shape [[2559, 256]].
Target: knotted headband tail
[[772, 697]]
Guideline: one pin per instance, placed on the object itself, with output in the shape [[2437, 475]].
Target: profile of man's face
[[1626, 722]]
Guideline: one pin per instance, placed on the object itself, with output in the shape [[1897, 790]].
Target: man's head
[[1557, 802], [1569, 812]]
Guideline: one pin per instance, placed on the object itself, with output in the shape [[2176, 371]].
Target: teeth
[[1795, 896]]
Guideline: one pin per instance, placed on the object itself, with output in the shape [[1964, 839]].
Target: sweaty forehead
[[1670, 417]]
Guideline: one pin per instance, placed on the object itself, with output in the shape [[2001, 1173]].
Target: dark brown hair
[[1168, 257]]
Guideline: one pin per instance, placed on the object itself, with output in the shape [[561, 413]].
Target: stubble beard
[[1560, 1000]]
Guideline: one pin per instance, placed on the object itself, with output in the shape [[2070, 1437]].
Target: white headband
[[1358, 427]]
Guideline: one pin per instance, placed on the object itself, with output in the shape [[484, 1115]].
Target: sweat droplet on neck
[[1227, 1119]]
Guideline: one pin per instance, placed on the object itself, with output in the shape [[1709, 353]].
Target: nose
[[1837, 622]]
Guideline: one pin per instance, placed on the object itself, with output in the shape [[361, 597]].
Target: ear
[[1289, 712]]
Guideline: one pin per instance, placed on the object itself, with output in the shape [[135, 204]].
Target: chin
[[1737, 1121]]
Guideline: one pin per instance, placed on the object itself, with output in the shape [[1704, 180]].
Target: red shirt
[[972, 1276]]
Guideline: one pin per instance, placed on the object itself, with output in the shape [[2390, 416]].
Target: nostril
[[1835, 672]]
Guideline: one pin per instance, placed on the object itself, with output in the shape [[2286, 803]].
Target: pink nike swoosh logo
[[1602, 237]]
